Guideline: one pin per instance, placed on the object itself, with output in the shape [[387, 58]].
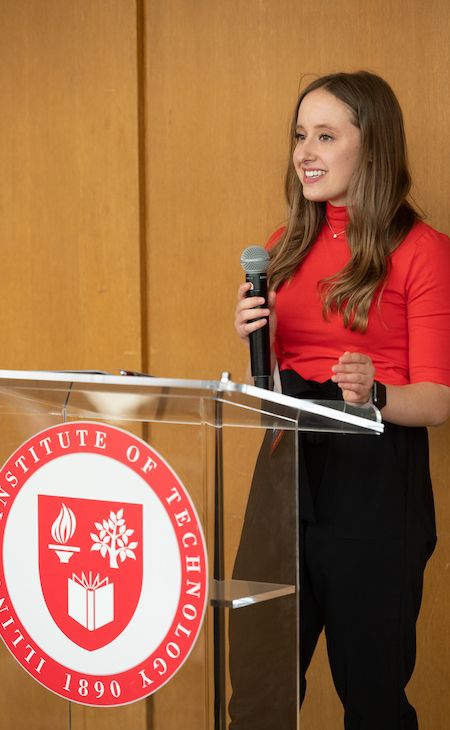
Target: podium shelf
[[240, 593]]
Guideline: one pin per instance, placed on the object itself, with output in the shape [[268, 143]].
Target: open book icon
[[90, 601]]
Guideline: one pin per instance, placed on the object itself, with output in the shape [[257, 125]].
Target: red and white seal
[[103, 574]]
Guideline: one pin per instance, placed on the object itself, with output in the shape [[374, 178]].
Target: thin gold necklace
[[335, 235]]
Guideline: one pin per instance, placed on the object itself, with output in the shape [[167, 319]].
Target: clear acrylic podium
[[235, 448]]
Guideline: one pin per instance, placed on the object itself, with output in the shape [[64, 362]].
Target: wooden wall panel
[[222, 79], [69, 197], [69, 233]]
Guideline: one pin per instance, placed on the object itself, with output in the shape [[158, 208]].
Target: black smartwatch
[[378, 394]]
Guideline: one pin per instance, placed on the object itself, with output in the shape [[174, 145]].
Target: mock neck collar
[[337, 215]]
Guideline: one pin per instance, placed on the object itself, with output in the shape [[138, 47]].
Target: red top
[[408, 335]]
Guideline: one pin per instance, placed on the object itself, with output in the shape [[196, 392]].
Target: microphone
[[255, 262]]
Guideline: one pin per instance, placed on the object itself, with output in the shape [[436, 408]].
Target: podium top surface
[[147, 399]]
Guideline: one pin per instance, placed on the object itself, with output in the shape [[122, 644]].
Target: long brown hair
[[379, 214]]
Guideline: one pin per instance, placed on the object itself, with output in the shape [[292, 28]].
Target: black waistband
[[294, 385]]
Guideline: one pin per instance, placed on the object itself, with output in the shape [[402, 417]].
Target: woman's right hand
[[252, 313]]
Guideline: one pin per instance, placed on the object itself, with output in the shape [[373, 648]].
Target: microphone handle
[[260, 340]]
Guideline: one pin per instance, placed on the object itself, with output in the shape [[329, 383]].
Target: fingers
[[354, 373], [250, 314], [355, 358], [243, 289], [246, 287], [353, 367]]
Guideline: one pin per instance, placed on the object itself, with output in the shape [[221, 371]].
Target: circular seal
[[103, 575]]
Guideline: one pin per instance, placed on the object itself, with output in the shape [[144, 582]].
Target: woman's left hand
[[354, 373]]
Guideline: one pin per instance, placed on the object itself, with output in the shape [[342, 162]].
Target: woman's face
[[328, 147]]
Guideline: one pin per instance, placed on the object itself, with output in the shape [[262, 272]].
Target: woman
[[361, 310]]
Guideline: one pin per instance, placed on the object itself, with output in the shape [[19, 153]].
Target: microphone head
[[255, 260]]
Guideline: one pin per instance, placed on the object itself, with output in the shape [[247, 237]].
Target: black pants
[[366, 594], [364, 545]]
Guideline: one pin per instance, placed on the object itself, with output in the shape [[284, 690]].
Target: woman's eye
[[325, 137], [299, 136]]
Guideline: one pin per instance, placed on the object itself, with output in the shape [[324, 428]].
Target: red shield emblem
[[90, 566]]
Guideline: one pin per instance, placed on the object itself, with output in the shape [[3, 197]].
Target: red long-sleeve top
[[408, 334]]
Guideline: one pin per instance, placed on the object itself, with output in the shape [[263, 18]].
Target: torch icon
[[62, 530]]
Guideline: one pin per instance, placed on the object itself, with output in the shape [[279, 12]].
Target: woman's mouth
[[312, 176]]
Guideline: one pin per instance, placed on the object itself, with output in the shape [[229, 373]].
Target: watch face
[[379, 394]]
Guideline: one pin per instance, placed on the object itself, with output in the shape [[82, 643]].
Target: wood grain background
[[143, 146]]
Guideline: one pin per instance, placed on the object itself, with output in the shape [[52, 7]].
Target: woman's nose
[[309, 150], [304, 151]]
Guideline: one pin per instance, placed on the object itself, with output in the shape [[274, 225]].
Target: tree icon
[[113, 539]]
